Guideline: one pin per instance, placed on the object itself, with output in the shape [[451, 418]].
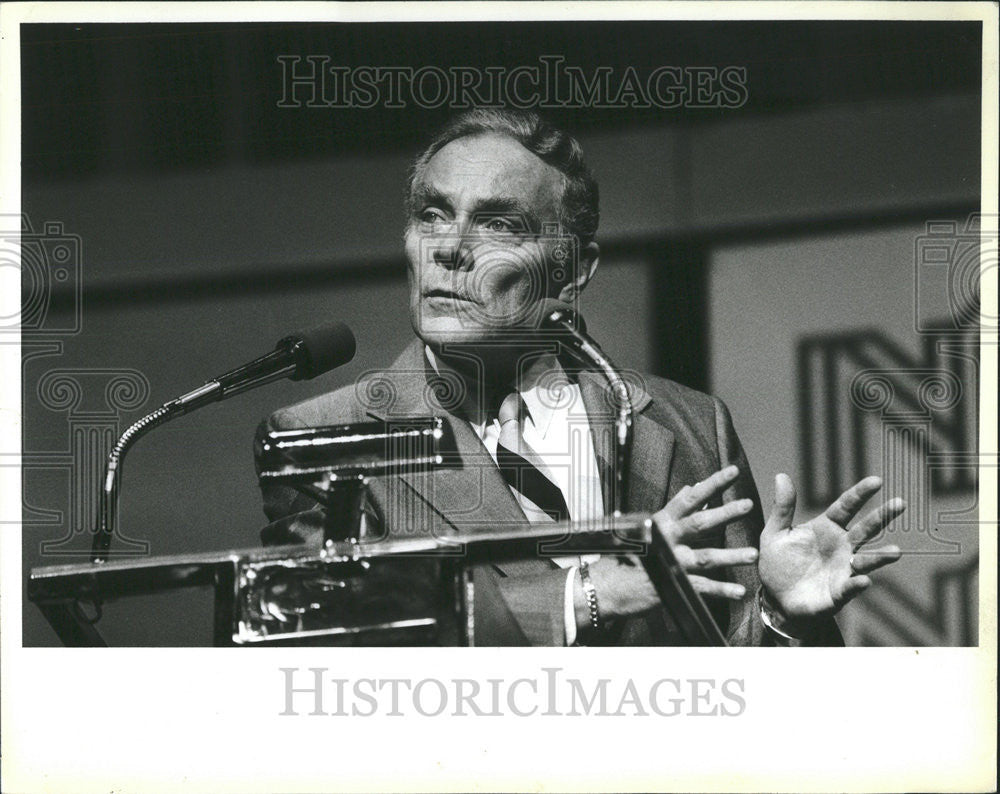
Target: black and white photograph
[[472, 371]]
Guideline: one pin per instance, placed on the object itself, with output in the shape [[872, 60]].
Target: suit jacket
[[680, 436]]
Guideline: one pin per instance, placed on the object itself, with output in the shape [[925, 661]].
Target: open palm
[[811, 570]]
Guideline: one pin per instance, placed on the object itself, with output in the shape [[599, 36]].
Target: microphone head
[[320, 349], [558, 315]]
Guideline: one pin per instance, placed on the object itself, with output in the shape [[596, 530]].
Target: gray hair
[[554, 146]]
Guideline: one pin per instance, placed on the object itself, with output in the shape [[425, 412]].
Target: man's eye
[[430, 216], [498, 225]]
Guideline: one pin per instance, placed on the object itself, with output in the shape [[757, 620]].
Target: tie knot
[[510, 408]]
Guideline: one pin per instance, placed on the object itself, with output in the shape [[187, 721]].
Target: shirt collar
[[544, 386]]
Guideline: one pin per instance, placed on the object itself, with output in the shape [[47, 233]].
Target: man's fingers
[[873, 523], [707, 559], [850, 501], [851, 588], [713, 589], [700, 522], [783, 509], [868, 561], [707, 520], [691, 497]]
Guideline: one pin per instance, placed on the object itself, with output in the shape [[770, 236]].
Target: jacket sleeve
[[745, 625], [520, 608]]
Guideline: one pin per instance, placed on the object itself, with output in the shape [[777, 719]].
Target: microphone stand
[[588, 351], [672, 585], [266, 369]]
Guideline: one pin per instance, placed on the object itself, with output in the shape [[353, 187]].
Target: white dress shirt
[[557, 430]]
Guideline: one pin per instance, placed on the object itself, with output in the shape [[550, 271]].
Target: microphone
[[299, 356], [555, 315]]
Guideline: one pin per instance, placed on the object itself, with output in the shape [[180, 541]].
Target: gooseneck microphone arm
[[108, 501], [264, 370], [561, 317], [298, 356], [676, 594]]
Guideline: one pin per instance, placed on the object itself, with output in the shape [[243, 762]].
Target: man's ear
[[586, 267]]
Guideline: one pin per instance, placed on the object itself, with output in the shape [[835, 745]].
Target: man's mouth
[[448, 294]]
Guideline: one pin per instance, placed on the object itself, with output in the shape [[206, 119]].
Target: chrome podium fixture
[[411, 591], [333, 464]]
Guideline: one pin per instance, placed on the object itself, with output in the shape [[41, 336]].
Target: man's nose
[[453, 250]]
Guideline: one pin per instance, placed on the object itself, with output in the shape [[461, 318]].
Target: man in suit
[[503, 213]]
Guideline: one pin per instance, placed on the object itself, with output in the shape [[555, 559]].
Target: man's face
[[478, 257]]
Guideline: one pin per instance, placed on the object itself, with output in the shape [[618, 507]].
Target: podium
[[397, 590], [392, 592]]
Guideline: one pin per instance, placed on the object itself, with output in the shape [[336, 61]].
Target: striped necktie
[[522, 469]]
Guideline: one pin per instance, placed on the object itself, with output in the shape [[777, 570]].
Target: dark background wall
[[210, 222]]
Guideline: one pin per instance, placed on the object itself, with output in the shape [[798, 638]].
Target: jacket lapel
[[468, 491]]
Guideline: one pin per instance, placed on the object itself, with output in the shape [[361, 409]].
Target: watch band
[[590, 592], [767, 618]]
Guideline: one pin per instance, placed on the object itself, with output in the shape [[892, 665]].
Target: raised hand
[[626, 590], [811, 570], [684, 520]]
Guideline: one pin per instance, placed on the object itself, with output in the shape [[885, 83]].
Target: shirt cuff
[[569, 607]]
